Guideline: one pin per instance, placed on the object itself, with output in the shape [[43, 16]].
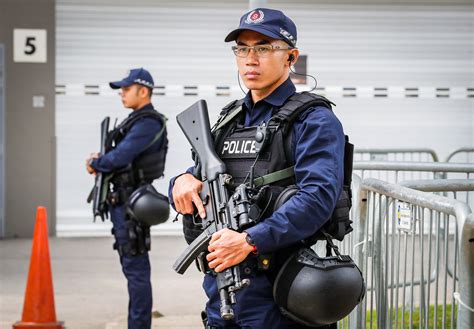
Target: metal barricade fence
[[465, 154], [459, 189], [393, 171], [395, 154], [401, 247]]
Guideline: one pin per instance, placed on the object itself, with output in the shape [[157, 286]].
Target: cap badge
[[254, 17]]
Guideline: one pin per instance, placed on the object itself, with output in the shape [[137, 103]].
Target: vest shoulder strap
[[125, 126], [284, 118], [128, 123], [297, 104], [228, 113], [232, 105]]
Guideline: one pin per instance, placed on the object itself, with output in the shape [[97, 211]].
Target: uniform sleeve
[[318, 144], [135, 142]]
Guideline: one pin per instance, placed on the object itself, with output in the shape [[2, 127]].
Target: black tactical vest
[[238, 146], [147, 166], [273, 170]]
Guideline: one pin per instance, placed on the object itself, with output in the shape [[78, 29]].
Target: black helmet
[[148, 206], [317, 291]]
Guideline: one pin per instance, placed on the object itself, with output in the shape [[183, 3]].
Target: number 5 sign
[[29, 46]]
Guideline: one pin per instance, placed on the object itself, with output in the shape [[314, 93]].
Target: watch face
[[249, 240]]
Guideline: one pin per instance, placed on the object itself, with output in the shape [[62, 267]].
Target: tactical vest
[[146, 167], [267, 148]]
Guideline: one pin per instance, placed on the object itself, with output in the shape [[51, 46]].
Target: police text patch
[[238, 148]]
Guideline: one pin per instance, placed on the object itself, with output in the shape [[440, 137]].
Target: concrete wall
[[30, 165]]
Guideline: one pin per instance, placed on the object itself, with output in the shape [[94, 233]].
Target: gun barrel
[[227, 313]]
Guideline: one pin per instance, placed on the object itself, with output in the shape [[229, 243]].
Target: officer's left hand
[[227, 248], [91, 157]]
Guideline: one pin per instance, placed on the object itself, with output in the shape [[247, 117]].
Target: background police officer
[[265, 49], [135, 155]]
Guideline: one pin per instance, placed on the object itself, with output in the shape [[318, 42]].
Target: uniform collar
[[277, 98], [148, 106]]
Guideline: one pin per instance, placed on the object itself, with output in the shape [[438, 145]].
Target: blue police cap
[[270, 22], [139, 76]]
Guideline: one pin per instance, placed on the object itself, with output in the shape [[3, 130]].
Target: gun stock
[[194, 122]]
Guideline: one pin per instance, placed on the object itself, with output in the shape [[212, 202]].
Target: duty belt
[[120, 196]]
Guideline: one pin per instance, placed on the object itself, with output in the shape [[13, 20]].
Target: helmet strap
[[330, 245]]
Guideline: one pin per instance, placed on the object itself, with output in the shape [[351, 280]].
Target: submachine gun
[[222, 210], [98, 194]]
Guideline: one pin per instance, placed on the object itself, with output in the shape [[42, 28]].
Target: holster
[[139, 240], [119, 196], [124, 183]]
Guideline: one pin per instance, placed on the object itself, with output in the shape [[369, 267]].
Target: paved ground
[[90, 290]]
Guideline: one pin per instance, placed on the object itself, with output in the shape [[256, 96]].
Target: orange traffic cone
[[38, 309]]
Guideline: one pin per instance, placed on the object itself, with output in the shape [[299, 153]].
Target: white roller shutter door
[[401, 75]]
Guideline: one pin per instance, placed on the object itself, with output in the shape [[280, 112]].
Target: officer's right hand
[[186, 190]]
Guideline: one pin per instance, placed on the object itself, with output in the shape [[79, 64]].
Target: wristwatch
[[249, 240]]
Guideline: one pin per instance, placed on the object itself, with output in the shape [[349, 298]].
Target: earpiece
[[291, 58]]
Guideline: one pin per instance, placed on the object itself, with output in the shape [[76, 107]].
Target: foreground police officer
[[265, 49], [135, 156]]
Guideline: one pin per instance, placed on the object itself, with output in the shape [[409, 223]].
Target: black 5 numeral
[[30, 47]]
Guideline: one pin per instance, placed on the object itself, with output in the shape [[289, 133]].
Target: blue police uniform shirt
[[318, 153], [135, 143]]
